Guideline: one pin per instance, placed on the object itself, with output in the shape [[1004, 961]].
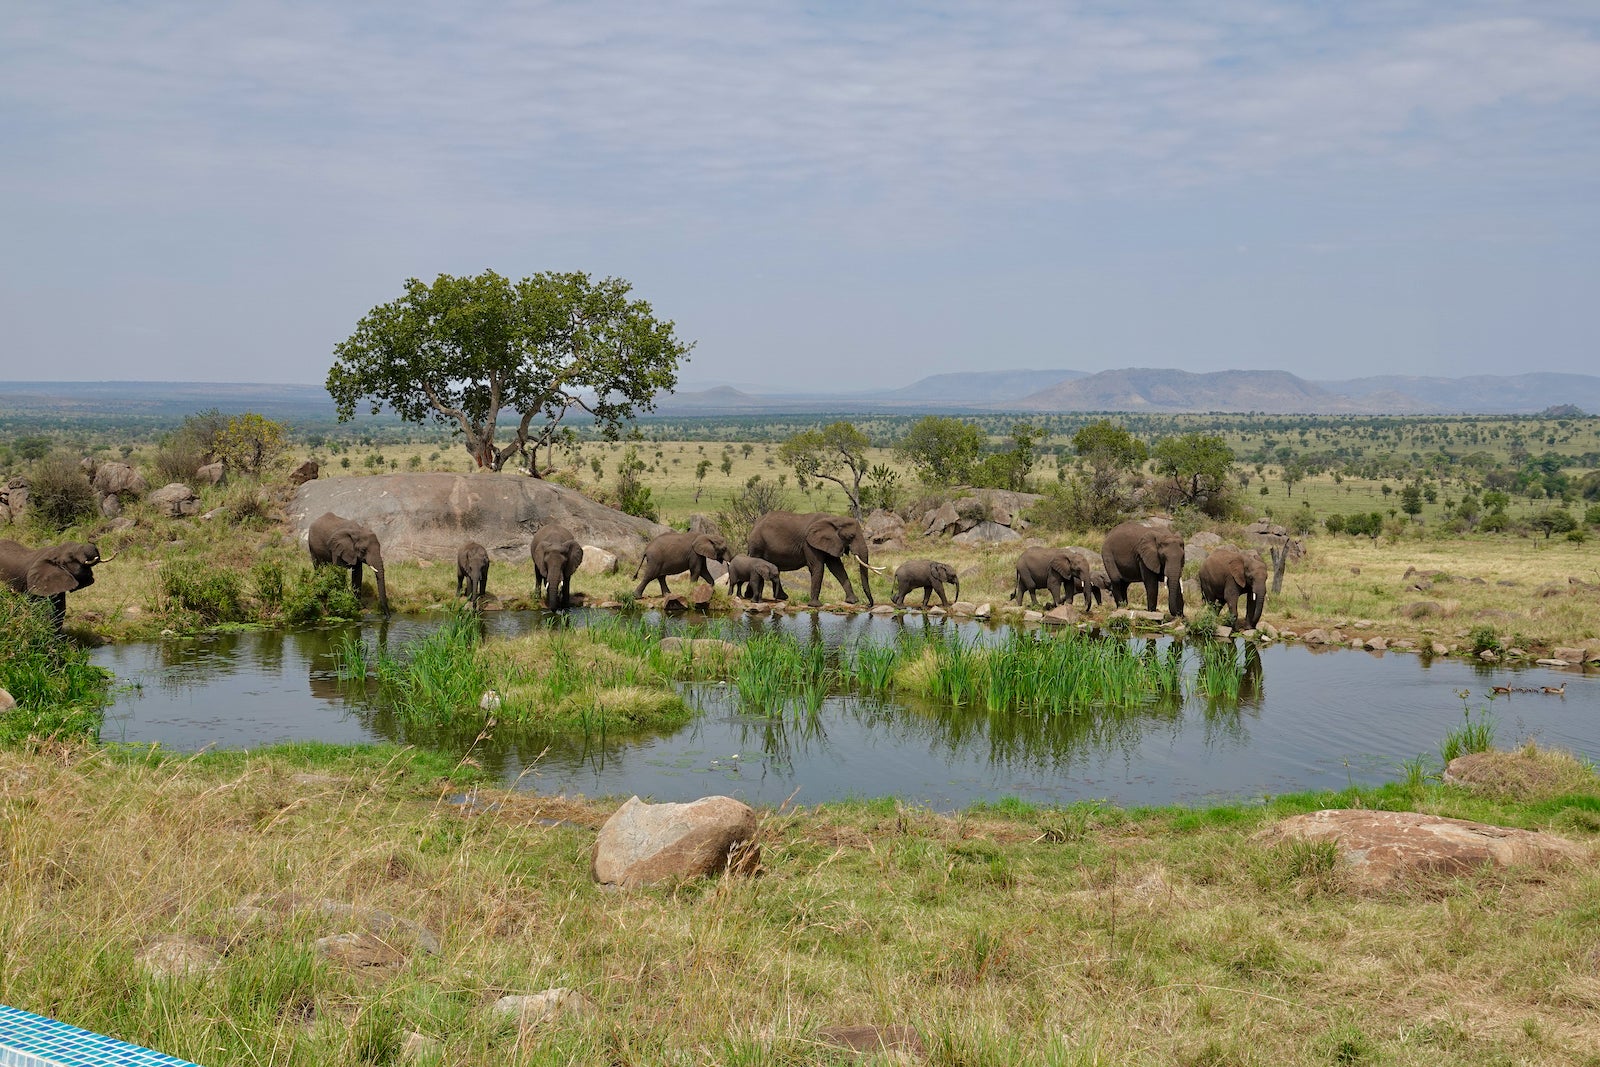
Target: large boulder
[[13, 500], [885, 529], [985, 533], [119, 479], [428, 516], [212, 473], [642, 844], [1271, 536], [941, 520], [306, 472], [175, 500], [1380, 849]]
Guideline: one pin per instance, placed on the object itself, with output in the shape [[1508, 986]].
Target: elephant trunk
[[383, 590], [1255, 603], [957, 583], [866, 574], [1175, 594]]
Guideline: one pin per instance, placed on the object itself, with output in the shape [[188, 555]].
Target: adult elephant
[[748, 576], [472, 571], [341, 542], [1229, 573], [556, 555], [1134, 552], [789, 541], [50, 572], [674, 553], [928, 575], [1061, 573]]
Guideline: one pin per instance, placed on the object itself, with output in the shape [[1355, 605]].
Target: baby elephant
[[748, 576], [926, 575], [472, 571]]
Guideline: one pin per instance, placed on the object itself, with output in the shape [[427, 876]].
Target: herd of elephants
[[1143, 552], [1146, 552]]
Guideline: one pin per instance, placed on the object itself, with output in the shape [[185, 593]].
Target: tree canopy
[[942, 448], [1198, 465], [464, 350], [836, 453]]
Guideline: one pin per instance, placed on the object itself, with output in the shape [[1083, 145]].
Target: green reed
[[59, 693], [775, 672], [1221, 671], [433, 678]]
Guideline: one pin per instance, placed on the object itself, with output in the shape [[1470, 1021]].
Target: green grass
[[59, 694]]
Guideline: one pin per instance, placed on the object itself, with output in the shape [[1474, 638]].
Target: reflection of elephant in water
[[472, 571], [789, 542], [346, 543], [927, 575], [1056, 570], [50, 572], [1134, 552], [556, 555], [674, 553], [1226, 574], [748, 576]]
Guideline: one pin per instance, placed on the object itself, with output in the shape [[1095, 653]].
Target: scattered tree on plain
[[836, 453], [942, 449], [463, 350]]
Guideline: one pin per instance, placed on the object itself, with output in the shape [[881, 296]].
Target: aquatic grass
[[1470, 736], [1038, 672], [435, 678], [776, 672], [1221, 672], [58, 692]]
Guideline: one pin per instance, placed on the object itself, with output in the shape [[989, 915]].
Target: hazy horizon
[[824, 199]]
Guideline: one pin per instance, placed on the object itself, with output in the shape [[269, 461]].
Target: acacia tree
[[1198, 465], [463, 350], [942, 448], [836, 453]]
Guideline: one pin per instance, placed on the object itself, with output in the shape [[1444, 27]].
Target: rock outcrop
[[176, 500], [1383, 849], [428, 516]]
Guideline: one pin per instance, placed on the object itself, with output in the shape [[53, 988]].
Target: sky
[[822, 196]]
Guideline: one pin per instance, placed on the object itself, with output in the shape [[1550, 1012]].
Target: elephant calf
[[556, 555], [927, 575], [1060, 572], [472, 571], [748, 577], [1226, 574]]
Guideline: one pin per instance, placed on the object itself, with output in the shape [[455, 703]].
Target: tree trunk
[[1280, 559]]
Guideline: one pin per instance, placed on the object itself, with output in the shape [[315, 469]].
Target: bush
[[743, 508], [60, 494], [213, 594], [318, 594], [1591, 515], [1494, 522], [59, 693], [1484, 639], [267, 578]]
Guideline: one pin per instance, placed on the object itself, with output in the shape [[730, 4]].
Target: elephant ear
[[1149, 555], [342, 549], [944, 572], [47, 577], [1239, 570], [704, 546], [823, 536]]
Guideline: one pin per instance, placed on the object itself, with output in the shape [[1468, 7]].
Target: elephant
[[333, 539], [50, 572], [927, 575], [1134, 552], [1229, 573], [673, 553], [789, 541], [556, 554], [1098, 585], [472, 571], [748, 576], [1059, 571]]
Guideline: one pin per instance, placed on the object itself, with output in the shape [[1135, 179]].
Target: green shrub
[[320, 593], [59, 693], [1494, 522], [1484, 639], [267, 579], [211, 593], [60, 494]]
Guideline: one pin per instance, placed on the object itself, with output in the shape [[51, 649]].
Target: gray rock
[[110, 506], [428, 516], [942, 520], [987, 533], [390, 927], [535, 1009], [642, 844], [7, 701], [306, 472], [212, 473], [119, 479], [176, 500], [178, 957], [597, 560]]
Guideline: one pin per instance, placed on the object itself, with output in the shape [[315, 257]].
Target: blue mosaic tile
[[29, 1040]]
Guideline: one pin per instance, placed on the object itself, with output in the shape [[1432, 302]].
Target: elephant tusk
[[106, 559], [870, 567]]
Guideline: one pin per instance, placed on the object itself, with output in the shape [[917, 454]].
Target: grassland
[[179, 903]]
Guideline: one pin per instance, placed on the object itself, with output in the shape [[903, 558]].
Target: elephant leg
[[778, 591], [927, 595], [836, 568], [355, 580], [58, 610], [1152, 591], [944, 600]]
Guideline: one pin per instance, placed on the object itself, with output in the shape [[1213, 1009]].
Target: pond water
[[1304, 720]]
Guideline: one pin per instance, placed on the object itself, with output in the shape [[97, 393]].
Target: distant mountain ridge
[[1134, 389]]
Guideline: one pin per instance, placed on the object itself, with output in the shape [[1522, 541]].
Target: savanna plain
[[314, 904]]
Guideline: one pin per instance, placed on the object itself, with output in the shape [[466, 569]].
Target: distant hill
[[1135, 389]]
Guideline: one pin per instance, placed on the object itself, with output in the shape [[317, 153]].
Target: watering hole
[[1304, 720]]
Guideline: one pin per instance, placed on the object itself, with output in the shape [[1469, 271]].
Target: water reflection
[[1328, 719]]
